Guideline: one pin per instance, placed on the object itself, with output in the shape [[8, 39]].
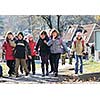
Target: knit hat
[[30, 36]]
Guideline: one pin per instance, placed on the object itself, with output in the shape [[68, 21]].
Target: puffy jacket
[[22, 49], [32, 46], [57, 45], [8, 51]]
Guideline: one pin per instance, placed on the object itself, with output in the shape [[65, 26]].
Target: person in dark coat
[[21, 51], [44, 51]]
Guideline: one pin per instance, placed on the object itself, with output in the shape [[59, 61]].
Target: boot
[[47, 72], [43, 71]]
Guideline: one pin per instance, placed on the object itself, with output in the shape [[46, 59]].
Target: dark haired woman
[[57, 46], [44, 51]]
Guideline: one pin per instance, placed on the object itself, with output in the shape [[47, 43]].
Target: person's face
[[20, 37], [54, 34], [42, 36], [79, 37], [30, 39], [10, 36]]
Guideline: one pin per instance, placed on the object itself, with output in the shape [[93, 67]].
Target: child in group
[[32, 45], [44, 51], [21, 50]]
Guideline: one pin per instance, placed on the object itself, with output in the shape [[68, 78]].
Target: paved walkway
[[38, 78], [66, 75]]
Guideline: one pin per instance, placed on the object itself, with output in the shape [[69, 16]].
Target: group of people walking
[[22, 53]]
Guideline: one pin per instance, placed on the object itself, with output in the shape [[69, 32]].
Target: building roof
[[70, 32], [89, 28], [87, 36]]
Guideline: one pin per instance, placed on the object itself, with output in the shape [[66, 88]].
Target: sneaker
[[43, 75], [51, 71], [17, 76], [56, 74], [47, 74], [81, 72], [10, 75], [33, 73], [1, 76], [26, 74], [76, 72]]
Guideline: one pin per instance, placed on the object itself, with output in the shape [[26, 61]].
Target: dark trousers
[[33, 64], [51, 63], [55, 61], [43, 68], [11, 65], [44, 59]]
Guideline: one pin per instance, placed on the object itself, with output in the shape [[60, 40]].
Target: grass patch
[[91, 67], [5, 69]]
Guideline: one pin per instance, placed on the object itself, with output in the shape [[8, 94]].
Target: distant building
[[87, 30]]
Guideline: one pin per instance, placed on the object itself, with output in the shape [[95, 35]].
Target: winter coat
[[57, 45], [44, 48], [22, 49], [8, 51], [32, 46]]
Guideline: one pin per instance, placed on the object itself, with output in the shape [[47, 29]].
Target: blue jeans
[[78, 57]]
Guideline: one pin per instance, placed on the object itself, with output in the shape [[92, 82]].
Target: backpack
[[82, 41], [1, 71]]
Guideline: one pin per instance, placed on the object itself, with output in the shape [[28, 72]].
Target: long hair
[[7, 39], [54, 30], [44, 33]]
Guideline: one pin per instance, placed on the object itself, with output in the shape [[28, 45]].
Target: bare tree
[[48, 20]]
